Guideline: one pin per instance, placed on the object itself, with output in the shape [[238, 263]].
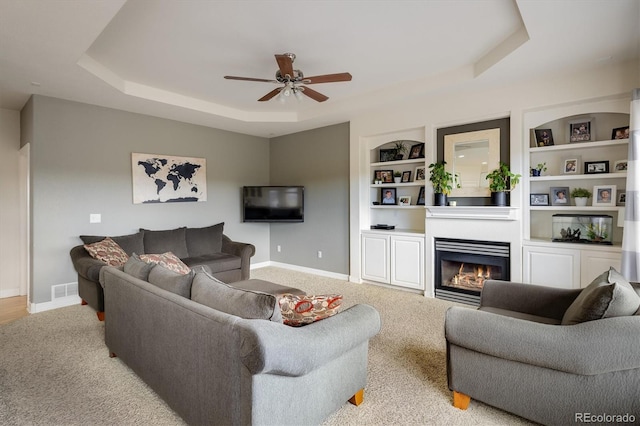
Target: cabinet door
[[407, 262], [594, 263], [375, 257], [550, 266]]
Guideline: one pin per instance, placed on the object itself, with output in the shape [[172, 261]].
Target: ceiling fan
[[293, 80]]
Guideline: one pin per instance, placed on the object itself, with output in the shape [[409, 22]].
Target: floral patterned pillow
[[302, 310], [168, 260], [107, 251]]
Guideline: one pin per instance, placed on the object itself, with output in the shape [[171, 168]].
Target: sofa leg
[[461, 400], [100, 315], [357, 398], [83, 302], [112, 355]]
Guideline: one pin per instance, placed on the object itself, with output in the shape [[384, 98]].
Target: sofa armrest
[[243, 250], [85, 265], [549, 302], [589, 348], [269, 347]]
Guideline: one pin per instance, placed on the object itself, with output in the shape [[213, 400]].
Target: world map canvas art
[[168, 179]]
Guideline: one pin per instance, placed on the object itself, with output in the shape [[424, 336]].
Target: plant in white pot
[[580, 196], [397, 176]]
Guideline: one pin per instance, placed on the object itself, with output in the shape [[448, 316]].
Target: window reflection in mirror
[[470, 157]]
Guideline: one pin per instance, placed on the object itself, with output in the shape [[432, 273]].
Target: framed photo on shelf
[[387, 155], [604, 195], [622, 198], [620, 133], [420, 201], [538, 199], [620, 166], [416, 151], [560, 196], [593, 167], [571, 166], [406, 176], [544, 137], [581, 130], [420, 174], [383, 176], [404, 200], [388, 196]]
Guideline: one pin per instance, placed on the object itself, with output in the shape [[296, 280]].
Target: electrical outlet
[[319, 254], [279, 248]]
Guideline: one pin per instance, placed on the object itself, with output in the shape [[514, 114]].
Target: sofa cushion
[[138, 268], [609, 295], [173, 240], [107, 251], [216, 262], [266, 287], [168, 260], [299, 310], [131, 243], [174, 282], [249, 304], [204, 241]]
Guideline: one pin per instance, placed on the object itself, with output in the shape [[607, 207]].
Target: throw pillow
[[173, 240], [302, 310], [138, 268], [129, 243], [609, 295], [204, 241], [107, 251], [169, 280], [168, 260], [247, 304]]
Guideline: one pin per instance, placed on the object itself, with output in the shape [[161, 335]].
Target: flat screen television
[[273, 204]]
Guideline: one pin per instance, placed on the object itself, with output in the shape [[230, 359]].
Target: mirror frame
[[450, 142]]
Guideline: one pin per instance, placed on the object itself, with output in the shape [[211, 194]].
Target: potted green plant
[[501, 181], [401, 149], [580, 196], [442, 182], [397, 176], [537, 170]]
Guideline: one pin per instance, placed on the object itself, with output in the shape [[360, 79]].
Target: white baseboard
[[319, 272], [12, 292], [60, 302]]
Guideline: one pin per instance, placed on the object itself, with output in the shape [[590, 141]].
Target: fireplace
[[462, 267]]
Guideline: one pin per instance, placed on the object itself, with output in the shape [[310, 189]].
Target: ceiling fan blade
[[270, 95], [232, 77], [327, 78], [285, 63], [314, 95]]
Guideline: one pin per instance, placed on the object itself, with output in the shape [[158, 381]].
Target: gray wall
[[319, 160], [81, 164]]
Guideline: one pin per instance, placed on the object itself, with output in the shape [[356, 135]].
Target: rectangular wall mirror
[[470, 156]]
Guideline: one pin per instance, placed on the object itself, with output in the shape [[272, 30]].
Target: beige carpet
[[55, 369]]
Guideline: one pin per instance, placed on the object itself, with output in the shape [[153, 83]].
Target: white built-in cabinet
[[393, 257], [561, 264]]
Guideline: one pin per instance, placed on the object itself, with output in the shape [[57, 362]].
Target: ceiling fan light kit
[[293, 81]]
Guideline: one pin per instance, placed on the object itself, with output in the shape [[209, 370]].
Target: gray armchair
[[514, 354]]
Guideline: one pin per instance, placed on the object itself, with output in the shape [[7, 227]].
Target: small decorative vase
[[499, 198], [581, 201], [397, 179], [535, 172], [439, 199]]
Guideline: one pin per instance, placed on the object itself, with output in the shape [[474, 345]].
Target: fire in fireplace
[[462, 267]]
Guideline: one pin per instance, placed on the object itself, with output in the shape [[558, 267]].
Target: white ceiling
[[167, 58]]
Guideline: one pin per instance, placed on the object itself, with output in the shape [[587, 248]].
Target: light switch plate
[[95, 218]]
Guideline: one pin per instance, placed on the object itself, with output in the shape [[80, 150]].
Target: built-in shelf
[[593, 176], [577, 208], [395, 206], [398, 162], [579, 145], [472, 212]]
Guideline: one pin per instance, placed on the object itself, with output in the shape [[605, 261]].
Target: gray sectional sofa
[[216, 368], [227, 260]]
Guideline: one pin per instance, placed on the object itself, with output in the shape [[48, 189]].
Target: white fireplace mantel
[[472, 212]]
